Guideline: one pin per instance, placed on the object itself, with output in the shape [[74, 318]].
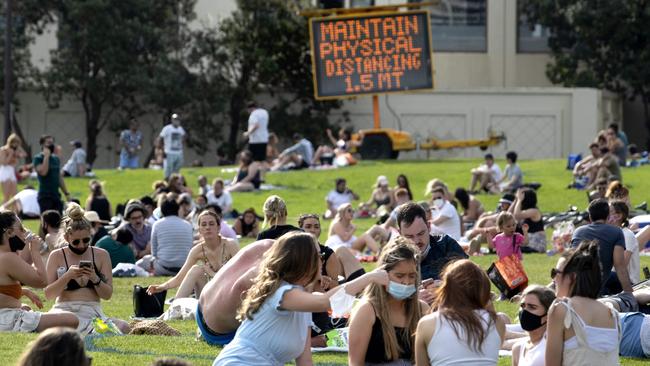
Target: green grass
[[305, 192]]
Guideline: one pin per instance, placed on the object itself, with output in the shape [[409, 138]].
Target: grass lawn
[[304, 192]]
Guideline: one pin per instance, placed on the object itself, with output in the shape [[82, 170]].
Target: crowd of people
[[273, 300]]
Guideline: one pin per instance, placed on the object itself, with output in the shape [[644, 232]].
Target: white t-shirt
[[261, 134], [632, 245], [29, 200], [78, 157], [337, 199], [173, 138], [451, 226], [224, 201]]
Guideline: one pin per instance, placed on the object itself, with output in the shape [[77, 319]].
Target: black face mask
[[50, 147], [530, 321], [16, 243], [77, 251]]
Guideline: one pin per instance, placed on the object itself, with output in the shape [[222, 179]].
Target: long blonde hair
[[274, 210], [397, 250], [74, 219], [293, 257], [339, 213]]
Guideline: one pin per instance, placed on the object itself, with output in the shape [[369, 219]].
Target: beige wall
[[491, 80]]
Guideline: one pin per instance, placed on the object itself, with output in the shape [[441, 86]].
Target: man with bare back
[[223, 295]]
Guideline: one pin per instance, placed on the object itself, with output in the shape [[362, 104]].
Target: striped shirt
[[171, 241]]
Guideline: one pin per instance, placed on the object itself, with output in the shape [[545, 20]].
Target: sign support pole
[[375, 111]]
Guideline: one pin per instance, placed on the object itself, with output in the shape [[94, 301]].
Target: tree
[[264, 48], [602, 44], [108, 53]]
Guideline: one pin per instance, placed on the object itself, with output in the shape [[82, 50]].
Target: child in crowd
[[508, 241]]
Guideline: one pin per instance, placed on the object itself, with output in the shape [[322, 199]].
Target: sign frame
[[368, 15]]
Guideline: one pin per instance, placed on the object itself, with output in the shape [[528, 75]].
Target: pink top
[[504, 245]]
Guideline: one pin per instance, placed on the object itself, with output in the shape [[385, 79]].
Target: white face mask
[[438, 202], [341, 303]]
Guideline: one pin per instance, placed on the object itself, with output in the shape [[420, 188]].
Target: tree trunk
[[93, 111], [646, 116]]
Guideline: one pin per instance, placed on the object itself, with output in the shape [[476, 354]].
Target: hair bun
[[74, 211]]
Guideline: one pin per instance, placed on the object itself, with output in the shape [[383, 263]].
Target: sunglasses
[[555, 272], [78, 241]]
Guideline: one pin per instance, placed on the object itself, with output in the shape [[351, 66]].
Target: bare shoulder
[[101, 253], [364, 312], [424, 307]]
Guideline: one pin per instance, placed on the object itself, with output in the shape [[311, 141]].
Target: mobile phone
[[85, 264], [428, 282]]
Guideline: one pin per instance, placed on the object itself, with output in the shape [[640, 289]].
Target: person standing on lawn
[[131, 142], [173, 137], [50, 181], [257, 132]]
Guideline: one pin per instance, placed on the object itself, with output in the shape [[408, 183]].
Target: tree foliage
[[599, 43], [262, 50]]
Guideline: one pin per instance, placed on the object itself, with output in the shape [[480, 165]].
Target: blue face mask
[[399, 291]]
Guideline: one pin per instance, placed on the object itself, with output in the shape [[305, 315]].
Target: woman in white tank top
[[465, 329], [581, 331], [535, 302]]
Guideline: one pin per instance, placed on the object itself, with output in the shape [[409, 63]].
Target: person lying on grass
[[275, 315], [204, 261], [14, 272], [80, 275]]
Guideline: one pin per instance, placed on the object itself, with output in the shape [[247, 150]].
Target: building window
[[361, 3], [459, 25], [531, 38]]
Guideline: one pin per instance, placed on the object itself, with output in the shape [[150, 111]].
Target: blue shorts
[[127, 161], [210, 336]]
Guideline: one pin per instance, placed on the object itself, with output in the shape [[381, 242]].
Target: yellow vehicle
[[386, 143]]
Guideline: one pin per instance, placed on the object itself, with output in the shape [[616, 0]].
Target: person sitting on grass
[[79, 275], [618, 216], [171, 238], [275, 216], [16, 272], [472, 207], [50, 224], [56, 346], [581, 330], [512, 178], [135, 215], [445, 218], [341, 233], [340, 195], [117, 244], [525, 211], [97, 201], [220, 197], [464, 329], [275, 315], [485, 175], [248, 176], [335, 265], [204, 260], [221, 297], [533, 317], [247, 225], [298, 156], [381, 200], [403, 182], [382, 327], [401, 197]]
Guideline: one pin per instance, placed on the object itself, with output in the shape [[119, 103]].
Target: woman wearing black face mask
[[535, 302], [78, 288], [14, 270]]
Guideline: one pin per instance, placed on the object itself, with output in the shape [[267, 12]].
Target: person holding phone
[[79, 275], [48, 168]]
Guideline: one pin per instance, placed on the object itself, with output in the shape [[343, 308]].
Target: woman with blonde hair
[[97, 200], [56, 346], [205, 259], [382, 327], [275, 314], [341, 233], [80, 275], [464, 328], [9, 155], [275, 219]]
